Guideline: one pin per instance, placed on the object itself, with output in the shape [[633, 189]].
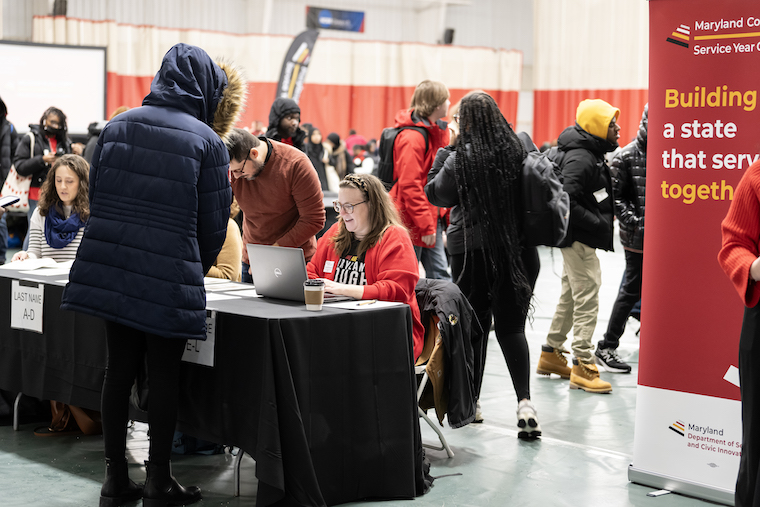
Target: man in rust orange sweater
[[278, 192]]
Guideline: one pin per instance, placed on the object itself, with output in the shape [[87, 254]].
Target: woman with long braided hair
[[480, 178]]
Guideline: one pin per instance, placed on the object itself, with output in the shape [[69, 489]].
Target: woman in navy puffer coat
[[159, 203]]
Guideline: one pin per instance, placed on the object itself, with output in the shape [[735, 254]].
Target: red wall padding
[[331, 108], [554, 110]]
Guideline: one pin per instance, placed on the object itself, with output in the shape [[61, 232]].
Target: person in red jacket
[[367, 253], [739, 259], [411, 164]]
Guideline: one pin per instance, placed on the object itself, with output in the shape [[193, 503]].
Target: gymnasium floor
[[581, 459]]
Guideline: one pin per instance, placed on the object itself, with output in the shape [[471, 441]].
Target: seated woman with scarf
[[57, 223], [55, 231]]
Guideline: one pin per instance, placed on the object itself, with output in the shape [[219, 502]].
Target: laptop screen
[[278, 272]]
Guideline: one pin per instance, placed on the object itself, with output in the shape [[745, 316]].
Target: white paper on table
[[65, 264], [29, 264], [48, 272], [247, 293], [229, 286], [357, 305], [220, 297]]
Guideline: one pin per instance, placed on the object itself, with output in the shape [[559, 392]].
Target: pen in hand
[[369, 302]]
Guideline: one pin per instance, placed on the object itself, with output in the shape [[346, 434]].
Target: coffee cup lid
[[315, 282]]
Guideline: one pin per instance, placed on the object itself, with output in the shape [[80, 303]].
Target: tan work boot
[[552, 361], [585, 376]]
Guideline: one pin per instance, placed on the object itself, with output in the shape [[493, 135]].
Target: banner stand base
[[681, 486]]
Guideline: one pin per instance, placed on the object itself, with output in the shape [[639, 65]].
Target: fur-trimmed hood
[[190, 81], [233, 100]]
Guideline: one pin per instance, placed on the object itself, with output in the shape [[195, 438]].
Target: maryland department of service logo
[[680, 37], [679, 427]]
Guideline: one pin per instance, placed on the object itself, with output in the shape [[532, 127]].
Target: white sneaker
[[527, 420], [478, 413]]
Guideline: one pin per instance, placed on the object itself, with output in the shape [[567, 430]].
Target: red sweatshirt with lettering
[[390, 267]]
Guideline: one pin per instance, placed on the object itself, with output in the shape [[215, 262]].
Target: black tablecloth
[[324, 402]]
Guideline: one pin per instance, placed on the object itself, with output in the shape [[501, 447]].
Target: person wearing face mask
[[316, 152], [284, 118], [51, 141], [367, 253]]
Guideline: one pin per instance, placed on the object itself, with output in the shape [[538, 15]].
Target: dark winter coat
[[316, 153], [458, 326], [93, 132], [629, 181], [8, 141], [159, 201], [281, 107], [442, 190], [31, 164], [587, 180]]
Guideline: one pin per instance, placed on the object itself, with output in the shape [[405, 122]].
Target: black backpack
[[384, 168], [546, 205]]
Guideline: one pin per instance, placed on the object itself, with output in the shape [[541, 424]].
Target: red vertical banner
[[703, 135]]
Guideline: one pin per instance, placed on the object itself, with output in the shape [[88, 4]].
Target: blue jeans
[[434, 259], [245, 275], [32, 207], [3, 239]]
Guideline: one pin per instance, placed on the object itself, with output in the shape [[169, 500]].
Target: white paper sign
[[26, 305], [202, 352]]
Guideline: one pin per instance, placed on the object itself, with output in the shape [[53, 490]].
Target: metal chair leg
[[236, 479], [15, 412], [444, 444]]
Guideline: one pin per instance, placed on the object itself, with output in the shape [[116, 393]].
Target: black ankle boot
[[162, 489], [118, 488]]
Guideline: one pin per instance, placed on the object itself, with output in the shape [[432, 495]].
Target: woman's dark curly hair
[[488, 164]]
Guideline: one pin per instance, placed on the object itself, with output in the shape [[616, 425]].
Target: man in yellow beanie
[[587, 180]]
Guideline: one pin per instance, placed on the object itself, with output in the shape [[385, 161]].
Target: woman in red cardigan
[[739, 259], [368, 253]]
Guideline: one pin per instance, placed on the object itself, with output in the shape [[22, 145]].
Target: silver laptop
[[279, 272]]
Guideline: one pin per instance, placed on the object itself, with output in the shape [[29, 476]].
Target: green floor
[[581, 460]]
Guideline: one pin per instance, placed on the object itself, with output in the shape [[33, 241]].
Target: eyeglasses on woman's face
[[348, 208]]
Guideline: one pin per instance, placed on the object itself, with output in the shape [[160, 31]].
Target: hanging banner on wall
[[293, 73], [703, 135], [334, 19]]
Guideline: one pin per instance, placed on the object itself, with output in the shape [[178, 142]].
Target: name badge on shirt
[[601, 194], [329, 265]]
